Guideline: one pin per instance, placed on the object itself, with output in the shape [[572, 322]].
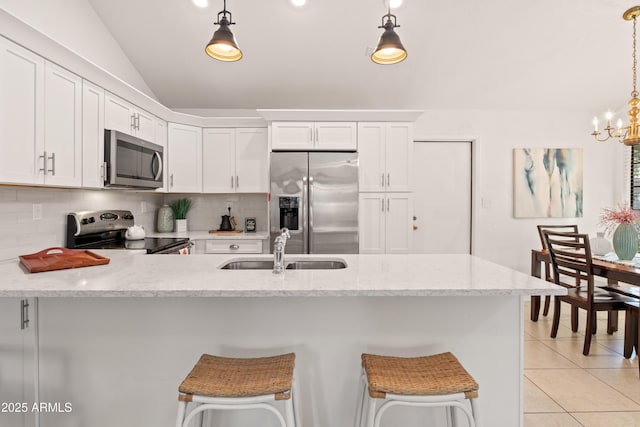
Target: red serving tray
[[61, 258]]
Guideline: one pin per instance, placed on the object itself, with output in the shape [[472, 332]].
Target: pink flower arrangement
[[611, 218]]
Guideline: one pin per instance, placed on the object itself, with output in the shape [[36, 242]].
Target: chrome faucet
[[278, 251]]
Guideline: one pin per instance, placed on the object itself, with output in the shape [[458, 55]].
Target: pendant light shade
[[223, 45], [390, 49]]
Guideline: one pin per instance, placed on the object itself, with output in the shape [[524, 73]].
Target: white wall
[[75, 24], [499, 236]]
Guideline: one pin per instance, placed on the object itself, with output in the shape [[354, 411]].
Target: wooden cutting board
[[61, 258], [225, 231]]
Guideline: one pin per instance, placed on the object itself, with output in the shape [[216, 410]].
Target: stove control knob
[[128, 216], [85, 221], [92, 220]]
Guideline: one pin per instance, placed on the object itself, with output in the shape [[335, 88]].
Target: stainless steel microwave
[[131, 162]]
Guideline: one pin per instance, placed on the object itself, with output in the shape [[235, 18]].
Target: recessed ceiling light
[[201, 3], [298, 3], [394, 4]]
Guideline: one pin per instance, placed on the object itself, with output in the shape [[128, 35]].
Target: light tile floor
[[563, 388]]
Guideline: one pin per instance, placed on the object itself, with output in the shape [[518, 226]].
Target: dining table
[[607, 266]]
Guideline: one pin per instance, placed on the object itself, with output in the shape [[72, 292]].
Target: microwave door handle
[[156, 155]]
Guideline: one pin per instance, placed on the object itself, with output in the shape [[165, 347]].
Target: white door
[[92, 135], [185, 158], [218, 160], [371, 223], [292, 135], [335, 136], [371, 156], [442, 197], [21, 114], [252, 160], [398, 222], [63, 127]]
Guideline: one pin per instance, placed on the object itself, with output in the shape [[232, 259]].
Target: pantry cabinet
[[18, 364], [385, 223], [125, 117], [384, 151], [330, 136], [184, 151], [40, 120], [235, 160]]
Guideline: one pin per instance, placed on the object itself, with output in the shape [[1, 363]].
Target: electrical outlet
[[37, 211], [145, 207]]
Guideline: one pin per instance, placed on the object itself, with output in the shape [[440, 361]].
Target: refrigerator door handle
[[309, 202], [305, 203]]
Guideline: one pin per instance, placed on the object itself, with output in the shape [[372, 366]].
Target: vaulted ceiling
[[490, 54]]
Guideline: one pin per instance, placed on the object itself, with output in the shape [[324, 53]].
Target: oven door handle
[[156, 155]]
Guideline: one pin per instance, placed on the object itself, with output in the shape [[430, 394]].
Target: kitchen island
[[93, 350]]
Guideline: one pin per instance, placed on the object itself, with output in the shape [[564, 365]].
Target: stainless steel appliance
[[315, 195], [131, 162], [106, 230]]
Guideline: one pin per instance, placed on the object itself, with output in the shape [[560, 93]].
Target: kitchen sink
[[291, 264]]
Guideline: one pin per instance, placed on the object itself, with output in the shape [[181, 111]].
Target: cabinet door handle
[[133, 121], [388, 203], [24, 314], [53, 164], [138, 121], [317, 136], [382, 205], [388, 179], [103, 171], [237, 182], [234, 247], [231, 181], [171, 180], [382, 179], [44, 163]]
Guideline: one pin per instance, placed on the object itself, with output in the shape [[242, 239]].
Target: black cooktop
[[150, 244]]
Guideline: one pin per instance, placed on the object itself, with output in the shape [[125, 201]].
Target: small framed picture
[[250, 225]]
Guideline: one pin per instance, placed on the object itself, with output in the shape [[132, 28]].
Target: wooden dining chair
[[571, 228], [572, 268]]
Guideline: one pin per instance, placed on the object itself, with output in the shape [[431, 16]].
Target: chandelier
[[629, 135]]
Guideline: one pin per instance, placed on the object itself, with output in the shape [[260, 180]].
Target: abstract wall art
[[547, 182]]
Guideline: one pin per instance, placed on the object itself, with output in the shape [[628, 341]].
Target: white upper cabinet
[[63, 127], [218, 160], [40, 120], [161, 139], [252, 160], [92, 135], [235, 160], [384, 151], [125, 117], [21, 114], [331, 136], [184, 150]]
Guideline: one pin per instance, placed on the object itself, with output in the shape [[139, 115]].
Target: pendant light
[[223, 45], [390, 49]]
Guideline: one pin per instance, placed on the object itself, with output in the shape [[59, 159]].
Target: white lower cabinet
[[18, 373], [385, 223], [233, 246]]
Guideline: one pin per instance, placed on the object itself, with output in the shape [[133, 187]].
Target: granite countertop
[[135, 274]]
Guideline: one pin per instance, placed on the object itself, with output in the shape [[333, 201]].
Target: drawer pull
[[234, 247]]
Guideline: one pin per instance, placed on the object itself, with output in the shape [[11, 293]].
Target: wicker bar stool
[[221, 383], [427, 381]]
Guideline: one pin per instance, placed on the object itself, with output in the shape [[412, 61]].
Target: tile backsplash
[[21, 234]]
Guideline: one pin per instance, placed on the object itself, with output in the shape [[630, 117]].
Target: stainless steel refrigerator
[[315, 195]]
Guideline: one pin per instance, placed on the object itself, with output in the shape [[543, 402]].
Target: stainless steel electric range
[[106, 230]]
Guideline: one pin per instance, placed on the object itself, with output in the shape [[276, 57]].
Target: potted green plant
[[180, 208]]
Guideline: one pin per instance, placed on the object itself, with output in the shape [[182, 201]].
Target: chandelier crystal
[[630, 134]]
